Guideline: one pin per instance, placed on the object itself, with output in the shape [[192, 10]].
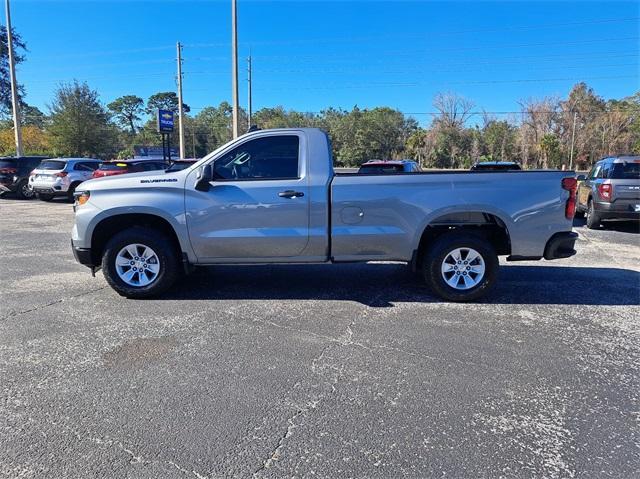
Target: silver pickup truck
[[272, 196]]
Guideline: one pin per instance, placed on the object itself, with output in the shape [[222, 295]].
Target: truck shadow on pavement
[[381, 285]]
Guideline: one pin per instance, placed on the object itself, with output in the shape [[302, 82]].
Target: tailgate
[[627, 191]]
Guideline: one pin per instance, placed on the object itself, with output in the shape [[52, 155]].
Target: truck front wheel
[[460, 266], [140, 263]]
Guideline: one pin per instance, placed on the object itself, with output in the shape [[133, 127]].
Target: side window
[[83, 167], [604, 171], [594, 172], [263, 158], [150, 166]]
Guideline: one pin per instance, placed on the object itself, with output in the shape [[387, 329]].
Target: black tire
[[579, 213], [169, 266], [593, 220], [72, 190], [438, 252], [23, 192], [45, 196]]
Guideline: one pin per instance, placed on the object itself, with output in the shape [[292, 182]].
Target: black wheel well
[[485, 225], [112, 225]]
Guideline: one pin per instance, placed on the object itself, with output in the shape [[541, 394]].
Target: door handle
[[290, 194]]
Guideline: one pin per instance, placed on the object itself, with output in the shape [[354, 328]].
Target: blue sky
[[312, 55]]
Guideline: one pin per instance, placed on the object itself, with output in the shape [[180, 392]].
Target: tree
[[126, 111], [34, 140], [539, 118], [79, 123], [167, 100], [499, 138], [550, 148], [454, 110], [5, 79], [32, 116]]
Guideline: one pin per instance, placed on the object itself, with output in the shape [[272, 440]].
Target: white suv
[[61, 176]]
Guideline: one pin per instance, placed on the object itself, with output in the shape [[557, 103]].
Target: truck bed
[[382, 217]]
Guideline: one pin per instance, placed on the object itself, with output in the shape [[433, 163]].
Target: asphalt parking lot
[[329, 371]]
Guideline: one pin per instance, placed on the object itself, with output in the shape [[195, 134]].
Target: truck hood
[[145, 179]]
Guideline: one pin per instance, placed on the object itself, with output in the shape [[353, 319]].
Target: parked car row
[[14, 175], [47, 178], [611, 190]]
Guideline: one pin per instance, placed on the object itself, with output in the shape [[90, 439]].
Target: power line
[[428, 68], [405, 52], [426, 35], [470, 82]]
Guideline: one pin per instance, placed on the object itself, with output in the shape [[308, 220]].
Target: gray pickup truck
[[272, 196]]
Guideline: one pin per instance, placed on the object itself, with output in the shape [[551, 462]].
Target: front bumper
[[83, 256], [561, 245]]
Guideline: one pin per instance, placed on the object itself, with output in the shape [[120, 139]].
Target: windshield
[[179, 165], [52, 165], [380, 169], [625, 171]]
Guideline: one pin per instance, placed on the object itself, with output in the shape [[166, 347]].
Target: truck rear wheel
[[460, 266], [140, 263]]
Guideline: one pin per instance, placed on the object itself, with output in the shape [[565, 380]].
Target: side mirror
[[205, 175], [581, 177]]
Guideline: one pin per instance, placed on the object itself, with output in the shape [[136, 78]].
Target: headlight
[[81, 197]]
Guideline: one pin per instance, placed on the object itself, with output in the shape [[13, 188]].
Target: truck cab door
[[257, 205]]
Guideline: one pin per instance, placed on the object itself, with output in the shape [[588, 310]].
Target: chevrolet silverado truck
[[272, 196]]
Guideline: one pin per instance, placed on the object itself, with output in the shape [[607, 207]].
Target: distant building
[[152, 152]]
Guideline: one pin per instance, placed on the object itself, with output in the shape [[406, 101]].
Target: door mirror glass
[[205, 176], [581, 177]]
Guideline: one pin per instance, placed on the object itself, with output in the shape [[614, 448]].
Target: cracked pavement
[[328, 370]]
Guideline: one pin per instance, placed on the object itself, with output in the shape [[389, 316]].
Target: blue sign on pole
[[165, 121]]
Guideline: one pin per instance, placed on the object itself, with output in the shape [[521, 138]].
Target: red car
[[110, 168]]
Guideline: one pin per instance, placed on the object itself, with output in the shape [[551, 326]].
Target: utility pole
[[14, 86], [249, 92], [573, 138], [234, 66], [180, 107]]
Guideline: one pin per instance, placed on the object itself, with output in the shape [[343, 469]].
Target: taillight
[[9, 171], [605, 190], [61, 174], [570, 184]]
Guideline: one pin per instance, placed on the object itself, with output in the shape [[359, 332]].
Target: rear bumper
[[49, 189], [83, 256], [561, 245], [624, 209]]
